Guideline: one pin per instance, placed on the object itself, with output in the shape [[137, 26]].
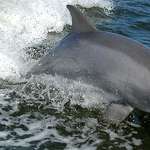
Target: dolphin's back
[[94, 58]]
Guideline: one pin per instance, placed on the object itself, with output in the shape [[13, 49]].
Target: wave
[[26, 23]]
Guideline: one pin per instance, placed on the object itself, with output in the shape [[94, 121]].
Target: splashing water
[[26, 23]]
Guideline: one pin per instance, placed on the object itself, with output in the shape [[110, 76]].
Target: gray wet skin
[[116, 64]]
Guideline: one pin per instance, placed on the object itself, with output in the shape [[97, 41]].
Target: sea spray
[[26, 23]]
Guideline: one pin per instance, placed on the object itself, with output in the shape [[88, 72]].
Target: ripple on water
[[42, 113]]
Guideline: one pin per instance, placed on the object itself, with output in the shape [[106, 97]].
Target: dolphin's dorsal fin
[[79, 22]]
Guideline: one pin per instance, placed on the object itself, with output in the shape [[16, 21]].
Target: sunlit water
[[47, 112]]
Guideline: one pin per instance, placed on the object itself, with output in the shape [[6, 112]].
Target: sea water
[[47, 112]]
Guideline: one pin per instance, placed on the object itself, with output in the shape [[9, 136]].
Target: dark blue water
[[51, 113], [131, 19]]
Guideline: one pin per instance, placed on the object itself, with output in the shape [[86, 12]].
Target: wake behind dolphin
[[117, 65]]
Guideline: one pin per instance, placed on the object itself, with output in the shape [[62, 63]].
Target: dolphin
[[118, 65]]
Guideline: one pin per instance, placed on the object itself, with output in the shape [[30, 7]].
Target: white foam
[[137, 142], [3, 134], [60, 90], [25, 23]]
